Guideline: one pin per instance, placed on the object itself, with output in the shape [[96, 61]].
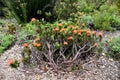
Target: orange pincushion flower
[[95, 44], [70, 38], [60, 24], [65, 43], [82, 30], [100, 34], [36, 44], [62, 30], [11, 61], [33, 19], [75, 31], [79, 33], [25, 44], [55, 29], [88, 33], [83, 24]]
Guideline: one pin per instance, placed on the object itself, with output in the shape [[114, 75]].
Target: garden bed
[[100, 68]]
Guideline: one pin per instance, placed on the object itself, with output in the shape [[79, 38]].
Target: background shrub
[[63, 8], [104, 17], [114, 48]]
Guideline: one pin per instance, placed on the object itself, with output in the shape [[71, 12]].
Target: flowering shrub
[[63, 43]]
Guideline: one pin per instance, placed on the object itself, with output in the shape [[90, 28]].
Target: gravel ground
[[95, 69]]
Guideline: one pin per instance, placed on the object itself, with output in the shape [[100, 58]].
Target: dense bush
[[114, 48], [63, 43], [104, 18]]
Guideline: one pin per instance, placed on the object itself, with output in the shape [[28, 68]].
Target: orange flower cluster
[[100, 34], [88, 32], [75, 31], [33, 19], [70, 38], [95, 44], [25, 44], [63, 29], [60, 24], [83, 25], [55, 29], [11, 61], [65, 43], [36, 43]]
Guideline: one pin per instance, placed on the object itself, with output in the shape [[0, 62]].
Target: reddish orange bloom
[[79, 33], [88, 33], [33, 19], [65, 43], [95, 44], [83, 24], [75, 31], [55, 29], [100, 34], [62, 30], [36, 44], [70, 38], [82, 30], [11, 61], [25, 44], [60, 24]]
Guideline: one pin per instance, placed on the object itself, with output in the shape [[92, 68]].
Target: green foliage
[[114, 48], [26, 55], [103, 18], [118, 4], [64, 8], [6, 41], [26, 32], [24, 10], [88, 6]]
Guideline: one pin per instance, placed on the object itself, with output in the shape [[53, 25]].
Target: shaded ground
[[95, 69]]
